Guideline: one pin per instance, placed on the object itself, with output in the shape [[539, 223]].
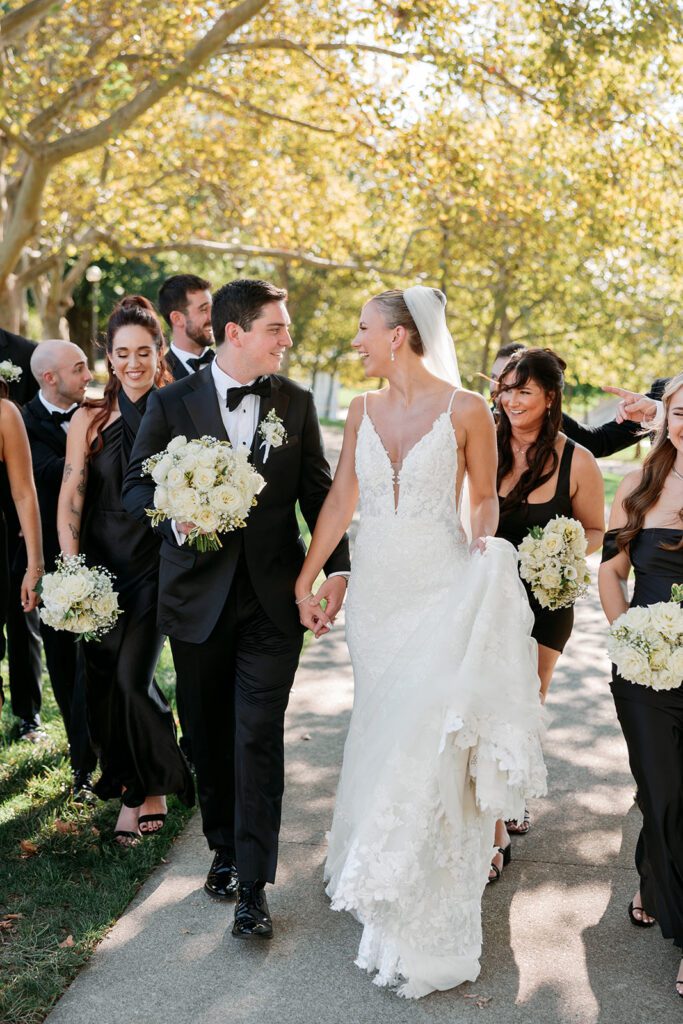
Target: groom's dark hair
[[240, 302]]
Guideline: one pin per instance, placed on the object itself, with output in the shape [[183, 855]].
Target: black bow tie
[[198, 361], [235, 395], [63, 417]]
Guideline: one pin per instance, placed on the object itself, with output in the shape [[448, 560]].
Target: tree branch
[[18, 22], [165, 81], [265, 252]]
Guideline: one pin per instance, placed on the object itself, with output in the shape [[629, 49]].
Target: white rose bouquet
[[205, 482], [78, 599], [9, 371], [646, 644], [552, 559]]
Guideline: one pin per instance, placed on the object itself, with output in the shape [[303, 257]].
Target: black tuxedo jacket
[[193, 587], [19, 351], [48, 450], [612, 437], [176, 368]]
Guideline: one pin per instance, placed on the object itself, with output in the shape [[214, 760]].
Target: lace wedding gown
[[445, 730]]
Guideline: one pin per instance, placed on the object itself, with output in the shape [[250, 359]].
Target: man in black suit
[[231, 614], [603, 440], [185, 304], [23, 635], [61, 371]]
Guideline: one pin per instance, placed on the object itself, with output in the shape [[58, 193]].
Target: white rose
[[162, 469], [633, 665], [176, 443], [637, 619], [569, 572], [107, 604], [664, 679], [175, 477], [226, 499], [203, 478], [552, 544], [206, 519], [78, 587], [676, 664], [551, 579], [667, 618], [161, 498]]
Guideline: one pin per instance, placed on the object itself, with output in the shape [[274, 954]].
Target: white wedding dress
[[445, 731]]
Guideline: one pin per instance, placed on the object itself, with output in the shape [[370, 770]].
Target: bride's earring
[[392, 356]]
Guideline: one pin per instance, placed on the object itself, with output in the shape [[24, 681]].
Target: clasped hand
[[313, 615]]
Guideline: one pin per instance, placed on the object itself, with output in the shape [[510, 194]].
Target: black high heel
[[507, 857]]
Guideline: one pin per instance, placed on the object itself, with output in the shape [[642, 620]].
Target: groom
[[230, 614]]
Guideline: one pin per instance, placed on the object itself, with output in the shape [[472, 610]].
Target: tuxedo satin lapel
[[202, 405], [277, 400]]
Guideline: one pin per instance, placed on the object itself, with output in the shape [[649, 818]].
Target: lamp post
[[93, 276]]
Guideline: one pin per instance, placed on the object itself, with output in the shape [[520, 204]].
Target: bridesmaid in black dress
[[541, 474], [15, 461], [646, 534], [131, 723]]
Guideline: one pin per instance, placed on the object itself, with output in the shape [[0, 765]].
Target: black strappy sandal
[[638, 921], [519, 828], [507, 857], [148, 818]]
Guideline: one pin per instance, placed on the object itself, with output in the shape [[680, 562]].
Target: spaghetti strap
[[365, 404], [450, 404]]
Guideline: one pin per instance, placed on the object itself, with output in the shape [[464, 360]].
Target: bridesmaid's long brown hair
[[545, 368], [656, 468], [139, 311]]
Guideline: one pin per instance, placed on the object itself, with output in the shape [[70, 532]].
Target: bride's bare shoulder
[[470, 405]]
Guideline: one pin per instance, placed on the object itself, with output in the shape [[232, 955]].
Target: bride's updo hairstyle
[[657, 466], [137, 311], [546, 369], [395, 313]]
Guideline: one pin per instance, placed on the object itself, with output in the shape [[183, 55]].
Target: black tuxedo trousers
[[234, 689]]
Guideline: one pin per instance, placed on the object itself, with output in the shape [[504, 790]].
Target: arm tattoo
[[81, 489], [74, 532], [68, 470], [76, 512]]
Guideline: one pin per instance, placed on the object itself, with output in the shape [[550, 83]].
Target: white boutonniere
[[9, 372], [272, 432]]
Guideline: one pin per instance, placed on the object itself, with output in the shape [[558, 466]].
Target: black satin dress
[[551, 628], [130, 720], [652, 723]]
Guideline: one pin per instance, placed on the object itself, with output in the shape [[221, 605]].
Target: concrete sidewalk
[[558, 946]]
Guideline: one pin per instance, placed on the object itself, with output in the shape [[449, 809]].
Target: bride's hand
[[478, 544]]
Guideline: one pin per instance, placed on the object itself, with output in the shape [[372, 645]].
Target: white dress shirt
[[55, 408], [240, 423], [183, 356]]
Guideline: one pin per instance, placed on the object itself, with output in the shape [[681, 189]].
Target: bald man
[[61, 372]]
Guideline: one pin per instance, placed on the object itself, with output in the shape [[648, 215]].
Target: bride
[[444, 735]]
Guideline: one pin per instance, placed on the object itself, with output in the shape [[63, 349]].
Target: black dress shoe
[[252, 917], [30, 730], [82, 791], [222, 881]]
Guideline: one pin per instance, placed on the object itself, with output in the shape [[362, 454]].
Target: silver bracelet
[[301, 600]]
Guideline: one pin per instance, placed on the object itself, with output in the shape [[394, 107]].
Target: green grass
[[77, 882]]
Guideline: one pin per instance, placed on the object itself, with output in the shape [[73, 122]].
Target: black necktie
[[235, 395], [198, 361], [63, 417]]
